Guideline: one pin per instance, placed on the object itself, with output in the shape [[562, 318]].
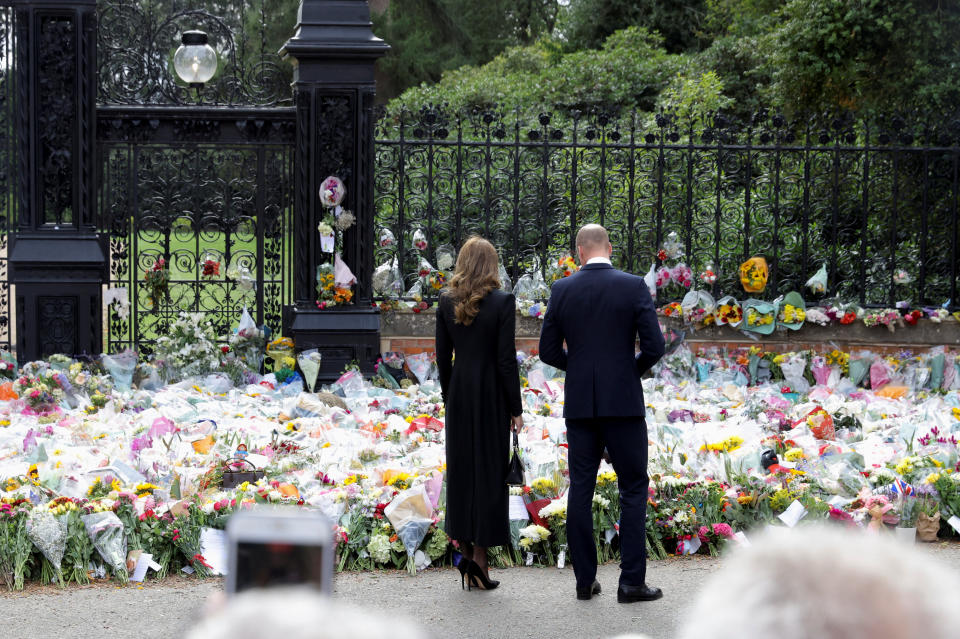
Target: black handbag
[[233, 476], [515, 472]]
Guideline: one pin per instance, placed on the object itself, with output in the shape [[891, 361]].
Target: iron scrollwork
[[136, 42]]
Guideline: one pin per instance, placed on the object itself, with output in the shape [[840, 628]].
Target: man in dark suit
[[601, 313]]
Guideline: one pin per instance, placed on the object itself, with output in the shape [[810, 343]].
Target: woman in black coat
[[476, 320]]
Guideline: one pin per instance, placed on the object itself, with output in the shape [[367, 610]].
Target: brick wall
[[413, 333]]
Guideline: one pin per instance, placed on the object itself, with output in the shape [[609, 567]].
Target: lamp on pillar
[[195, 61], [334, 52]]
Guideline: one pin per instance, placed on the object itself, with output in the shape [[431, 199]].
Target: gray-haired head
[[299, 613], [829, 584]]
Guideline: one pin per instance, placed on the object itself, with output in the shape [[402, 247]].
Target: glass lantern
[[195, 61]]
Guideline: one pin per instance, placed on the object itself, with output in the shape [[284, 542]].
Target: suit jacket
[[601, 313]]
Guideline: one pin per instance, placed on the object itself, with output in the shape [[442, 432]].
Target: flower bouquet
[[8, 365], [310, 361], [818, 282], [698, 307], [106, 532], [189, 347], [121, 368], [157, 280], [411, 514], [533, 538], [281, 352], [759, 317], [564, 267], [793, 311], [247, 342], [753, 275], [713, 535], [728, 311], [210, 267], [329, 293], [15, 546], [49, 535]]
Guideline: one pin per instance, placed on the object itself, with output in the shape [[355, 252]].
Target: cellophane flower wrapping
[[49, 535], [411, 515], [818, 282], [106, 532], [121, 367], [793, 369]]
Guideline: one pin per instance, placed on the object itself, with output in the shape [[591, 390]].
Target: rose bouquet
[[157, 281]]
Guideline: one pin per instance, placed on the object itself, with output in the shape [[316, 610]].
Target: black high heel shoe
[[480, 580], [464, 568]]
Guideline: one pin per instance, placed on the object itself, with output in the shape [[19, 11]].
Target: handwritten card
[[793, 514]]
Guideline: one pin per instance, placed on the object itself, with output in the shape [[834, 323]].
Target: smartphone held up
[[279, 546]]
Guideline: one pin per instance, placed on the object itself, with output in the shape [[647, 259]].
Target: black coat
[[601, 313], [481, 391]]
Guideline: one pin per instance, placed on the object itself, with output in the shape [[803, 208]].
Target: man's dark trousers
[[625, 438]]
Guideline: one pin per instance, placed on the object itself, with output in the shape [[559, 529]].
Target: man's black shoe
[[586, 593], [630, 594]]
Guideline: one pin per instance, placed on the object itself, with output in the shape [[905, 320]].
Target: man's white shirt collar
[[600, 260]]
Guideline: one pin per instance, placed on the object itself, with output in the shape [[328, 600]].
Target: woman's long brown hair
[[477, 273]]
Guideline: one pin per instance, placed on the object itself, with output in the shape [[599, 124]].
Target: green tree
[[629, 71], [866, 55], [428, 37], [588, 23]]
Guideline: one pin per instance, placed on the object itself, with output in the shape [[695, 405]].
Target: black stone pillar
[[57, 261], [334, 51]]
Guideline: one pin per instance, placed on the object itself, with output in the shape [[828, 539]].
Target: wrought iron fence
[[9, 161], [866, 198]]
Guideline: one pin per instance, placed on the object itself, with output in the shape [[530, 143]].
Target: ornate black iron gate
[[192, 184], [193, 189]]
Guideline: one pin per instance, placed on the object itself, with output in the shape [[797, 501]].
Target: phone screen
[[262, 565]]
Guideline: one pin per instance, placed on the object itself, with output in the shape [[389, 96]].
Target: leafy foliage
[[630, 70]]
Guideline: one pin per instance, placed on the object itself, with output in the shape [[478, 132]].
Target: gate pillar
[[56, 259], [334, 51]]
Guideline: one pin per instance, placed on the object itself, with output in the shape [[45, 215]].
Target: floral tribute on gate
[[334, 279]]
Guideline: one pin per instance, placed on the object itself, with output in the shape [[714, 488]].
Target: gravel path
[[531, 602]]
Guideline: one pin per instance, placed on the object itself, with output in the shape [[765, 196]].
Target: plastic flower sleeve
[[121, 367], [386, 238], [411, 514], [650, 279], [672, 245], [384, 277], [793, 369], [332, 191], [49, 535], [419, 240], [818, 282], [106, 532], [423, 366], [505, 283], [446, 257]]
